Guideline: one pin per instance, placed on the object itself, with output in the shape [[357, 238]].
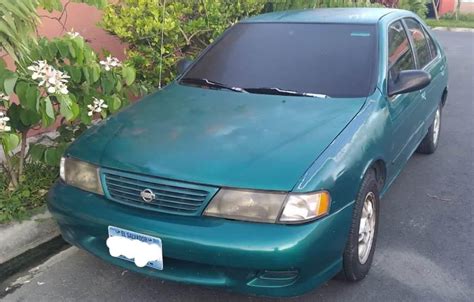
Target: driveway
[[425, 249]]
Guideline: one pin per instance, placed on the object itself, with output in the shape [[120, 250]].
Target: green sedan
[[260, 169]]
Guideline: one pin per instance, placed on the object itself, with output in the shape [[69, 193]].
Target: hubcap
[[366, 228], [436, 124]]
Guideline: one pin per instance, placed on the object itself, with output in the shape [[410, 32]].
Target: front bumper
[[255, 258]]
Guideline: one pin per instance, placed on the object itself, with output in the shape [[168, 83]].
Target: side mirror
[[408, 81], [183, 64]]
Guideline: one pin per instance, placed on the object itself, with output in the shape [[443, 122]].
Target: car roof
[[326, 15]]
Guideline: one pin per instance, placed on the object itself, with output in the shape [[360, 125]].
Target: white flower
[[4, 97], [110, 62], [52, 79], [37, 69], [73, 34], [96, 106], [3, 122]]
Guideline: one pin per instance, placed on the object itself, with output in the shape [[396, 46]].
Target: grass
[[29, 198], [449, 20]]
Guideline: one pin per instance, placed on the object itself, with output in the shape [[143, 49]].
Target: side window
[[421, 43], [434, 50], [400, 55]]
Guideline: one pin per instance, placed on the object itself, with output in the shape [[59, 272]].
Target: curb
[[27, 242], [18, 237], [455, 29]]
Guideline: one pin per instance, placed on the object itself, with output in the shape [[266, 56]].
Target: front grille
[[169, 196]]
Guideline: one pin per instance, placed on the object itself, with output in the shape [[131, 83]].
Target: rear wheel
[[360, 246], [429, 144]]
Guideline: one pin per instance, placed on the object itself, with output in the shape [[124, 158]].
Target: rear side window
[[421, 43], [434, 50], [400, 54]]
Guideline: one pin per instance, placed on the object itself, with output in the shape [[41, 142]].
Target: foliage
[[18, 20], [187, 27], [18, 204], [279, 5], [417, 6]]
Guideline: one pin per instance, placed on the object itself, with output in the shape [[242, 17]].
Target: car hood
[[218, 137]]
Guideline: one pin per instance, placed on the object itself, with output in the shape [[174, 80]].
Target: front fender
[[342, 166]]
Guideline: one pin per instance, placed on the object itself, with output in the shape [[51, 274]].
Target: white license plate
[[141, 249]]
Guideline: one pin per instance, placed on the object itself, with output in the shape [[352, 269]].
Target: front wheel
[[429, 144], [360, 246]]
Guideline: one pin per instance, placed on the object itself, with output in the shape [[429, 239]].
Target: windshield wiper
[[209, 83], [279, 91]]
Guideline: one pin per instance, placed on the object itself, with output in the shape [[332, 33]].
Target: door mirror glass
[[408, 81], [183, 64]]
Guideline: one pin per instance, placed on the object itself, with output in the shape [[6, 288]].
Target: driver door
[[404, 108]]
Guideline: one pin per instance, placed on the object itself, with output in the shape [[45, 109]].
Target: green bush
[[189, 26], [20, 203], [417, 6]]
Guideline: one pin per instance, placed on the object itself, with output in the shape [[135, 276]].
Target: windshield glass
[[336, 60]]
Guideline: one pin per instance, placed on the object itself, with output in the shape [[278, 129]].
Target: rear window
[[421, 44], [333, 59]]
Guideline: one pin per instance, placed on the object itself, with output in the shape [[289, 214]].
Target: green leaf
[[52, 50], [51, 5], [63, 48], [29, 118], [10, 141], [85, 71], [107, 84], [75, 73], [75, 109], [94, 71], [128, 74], [52, 156], [49, 108], [72, 50], [65, 107], [9, 83], [14, 113], [31, 98], [47, 112], [20, 90], [79, 43], [114, 103], [36, 152]]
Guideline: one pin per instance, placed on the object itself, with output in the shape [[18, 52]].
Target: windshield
[[336, 60]]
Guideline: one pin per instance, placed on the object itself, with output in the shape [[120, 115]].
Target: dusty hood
[[218, 137]]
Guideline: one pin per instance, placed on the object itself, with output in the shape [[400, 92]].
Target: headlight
[[81, 175], [268, 207], [304, 207]]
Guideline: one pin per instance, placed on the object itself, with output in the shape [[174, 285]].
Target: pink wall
[[446, 6], [83, 19]]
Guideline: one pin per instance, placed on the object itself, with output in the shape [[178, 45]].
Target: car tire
[[430, 142], [360, 247]]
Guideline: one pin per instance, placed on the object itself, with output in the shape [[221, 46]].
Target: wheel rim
[[436, 126], [366, 228]]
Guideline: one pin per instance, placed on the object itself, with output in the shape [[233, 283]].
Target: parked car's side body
[[204, 140]]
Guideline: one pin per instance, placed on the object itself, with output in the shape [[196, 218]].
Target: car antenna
[[161, 45]]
